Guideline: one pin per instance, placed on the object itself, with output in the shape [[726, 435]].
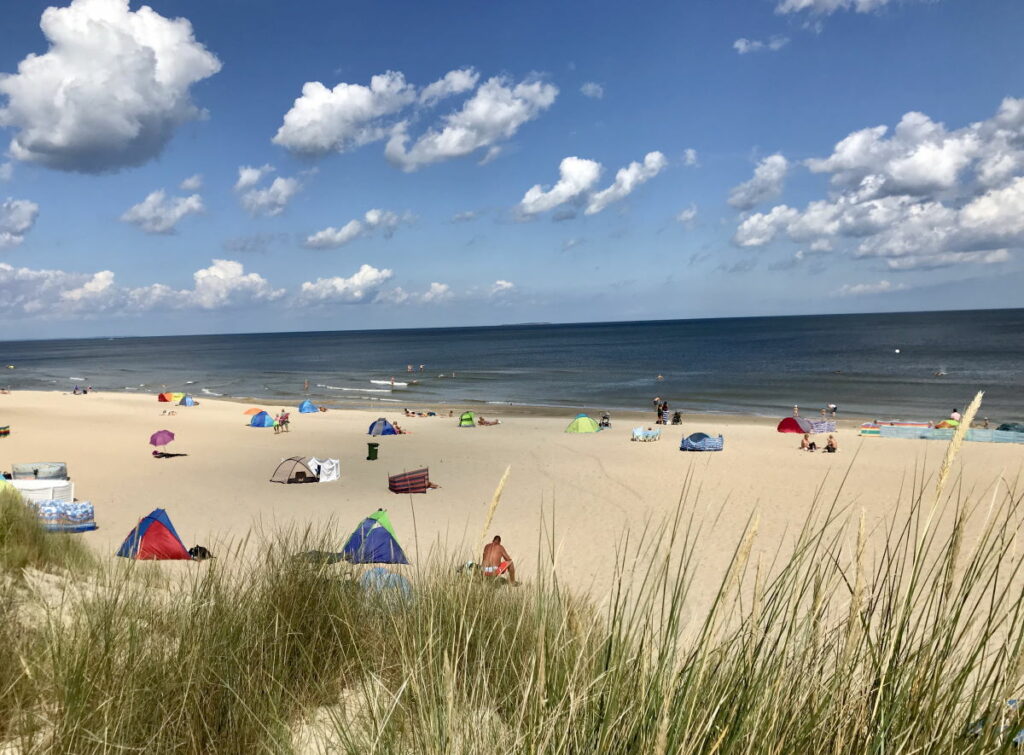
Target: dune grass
[[901, 637]]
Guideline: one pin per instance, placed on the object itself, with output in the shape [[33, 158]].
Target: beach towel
[[5, 431], [329, 469], [645, 436]]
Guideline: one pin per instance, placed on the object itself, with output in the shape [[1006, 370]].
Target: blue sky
[[512, 162]]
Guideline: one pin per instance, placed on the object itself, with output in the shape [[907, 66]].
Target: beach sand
[[594, 487]]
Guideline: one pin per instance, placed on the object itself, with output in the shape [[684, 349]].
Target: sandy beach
[[597, 487]]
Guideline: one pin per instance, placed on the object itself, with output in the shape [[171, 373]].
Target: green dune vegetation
[[905, 637]]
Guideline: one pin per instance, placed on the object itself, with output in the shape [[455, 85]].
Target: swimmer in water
[[661, 377]]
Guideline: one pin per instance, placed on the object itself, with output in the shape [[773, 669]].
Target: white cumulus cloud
[[868, 289], [249, 176], [592, 89], [502, 287], [225, 283], [687, 217], [325, 120], [577, 176], [6, 171], [192, 183], [452, 83], [17, 216], [110, 91], [271, 200], [921, 198], [690, 159], [438, 293], [374, 220], [627, 180], [828, 7], [158, 213], [493, 114], [362, 286], [744, 46], [56, 294], [766, 183]]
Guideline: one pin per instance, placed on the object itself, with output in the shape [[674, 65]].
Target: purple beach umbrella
[[161, 438]]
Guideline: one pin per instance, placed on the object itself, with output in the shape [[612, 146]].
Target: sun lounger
[[645, 435]]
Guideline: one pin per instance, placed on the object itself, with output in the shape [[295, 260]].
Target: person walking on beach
[[285, 421], [657, 406], [796, 410], [497, 561]]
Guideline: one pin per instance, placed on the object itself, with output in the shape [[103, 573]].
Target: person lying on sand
[[806, 444], [487, 422], [497, 561]]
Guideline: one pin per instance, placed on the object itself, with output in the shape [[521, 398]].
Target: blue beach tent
[[261, 420], [374, 542], [381, 427], [307, 407], [187, 400]]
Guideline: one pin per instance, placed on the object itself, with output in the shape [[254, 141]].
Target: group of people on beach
[[282, 422], [829, 409], [830, 447]]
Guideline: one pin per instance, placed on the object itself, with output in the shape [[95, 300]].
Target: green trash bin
[[371, 451]]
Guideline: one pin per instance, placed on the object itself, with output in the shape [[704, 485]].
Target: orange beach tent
[[254, 410]]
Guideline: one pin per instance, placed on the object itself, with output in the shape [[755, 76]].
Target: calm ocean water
[[757, 365]]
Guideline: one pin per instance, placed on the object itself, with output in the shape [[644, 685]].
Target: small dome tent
[[261, 420], [381, 427], [154, 539], [187, 401], [165, 398], [583, 424], [307, 407], [374, 542], [467, 419], [295, 469]]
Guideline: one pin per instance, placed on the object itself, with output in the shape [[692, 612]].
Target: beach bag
[[199, 553]]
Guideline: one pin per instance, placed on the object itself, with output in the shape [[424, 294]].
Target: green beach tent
[[583, 424], [466, 419]]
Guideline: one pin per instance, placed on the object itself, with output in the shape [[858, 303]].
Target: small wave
[[357, 390], [189, 382], [75, 378], [208, 392]]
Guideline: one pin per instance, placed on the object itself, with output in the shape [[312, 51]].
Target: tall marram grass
[[902, 636]]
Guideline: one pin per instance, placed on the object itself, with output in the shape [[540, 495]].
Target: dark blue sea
[[908, 365]]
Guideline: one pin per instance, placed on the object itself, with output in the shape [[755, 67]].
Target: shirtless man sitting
[[497, 561]]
